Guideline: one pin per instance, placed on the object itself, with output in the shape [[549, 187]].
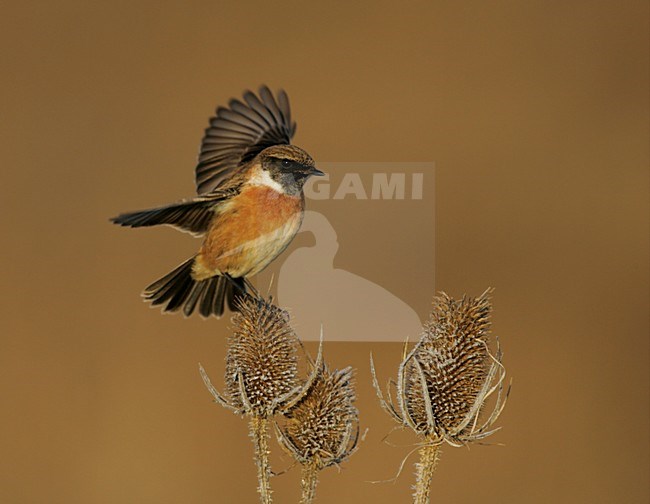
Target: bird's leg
[[239, 288], [252, 288], [242, 291]]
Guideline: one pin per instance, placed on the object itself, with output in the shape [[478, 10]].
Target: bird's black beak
[[314, 171]]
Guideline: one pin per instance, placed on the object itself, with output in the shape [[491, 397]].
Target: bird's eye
[[286, 163]]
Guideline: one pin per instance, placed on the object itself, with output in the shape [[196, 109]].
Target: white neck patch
[[263, 178]]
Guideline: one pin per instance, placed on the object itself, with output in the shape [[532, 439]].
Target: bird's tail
[[177, 289]]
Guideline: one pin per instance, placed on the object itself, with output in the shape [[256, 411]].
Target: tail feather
[[236, 288], [181, 292], [160, 285], [205, 306], [163, 289], [193, 298], [220, 295], [178, 289]]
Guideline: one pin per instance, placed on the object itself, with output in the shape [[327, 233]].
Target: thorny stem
[[259, 433], [428, 460], [308, 483]]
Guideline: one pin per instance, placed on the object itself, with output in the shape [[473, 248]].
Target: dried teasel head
[[445, 380], [322, 428], [261, 362], [453, 359]]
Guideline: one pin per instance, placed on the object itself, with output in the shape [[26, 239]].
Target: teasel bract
[[262, 375], [445, 380], [322, 428]]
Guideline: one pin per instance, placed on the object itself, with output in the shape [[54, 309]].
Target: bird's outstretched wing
[[241, 131], [193, 216]]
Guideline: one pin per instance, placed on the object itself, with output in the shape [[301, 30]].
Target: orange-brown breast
[[248, 232]]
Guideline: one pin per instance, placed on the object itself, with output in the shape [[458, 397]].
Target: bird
[[249, 205]]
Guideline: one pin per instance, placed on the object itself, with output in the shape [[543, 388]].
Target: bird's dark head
[[288, 166]]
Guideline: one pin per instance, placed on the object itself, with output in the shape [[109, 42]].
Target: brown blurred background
[[536, 115]]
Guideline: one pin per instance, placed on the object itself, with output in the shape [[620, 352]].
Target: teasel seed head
[[453, 357], [322, 428], [445, 380], [261, 362]]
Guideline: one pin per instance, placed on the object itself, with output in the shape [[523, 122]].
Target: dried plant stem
[[260, 434], [309, 481], [429, 454]]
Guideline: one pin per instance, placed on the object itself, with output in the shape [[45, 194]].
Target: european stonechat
[[250, 205]]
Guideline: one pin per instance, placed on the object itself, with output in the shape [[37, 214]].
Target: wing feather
[[193, 216], [239, 132]]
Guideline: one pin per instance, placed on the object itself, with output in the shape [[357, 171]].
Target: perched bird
[[250, 205]]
